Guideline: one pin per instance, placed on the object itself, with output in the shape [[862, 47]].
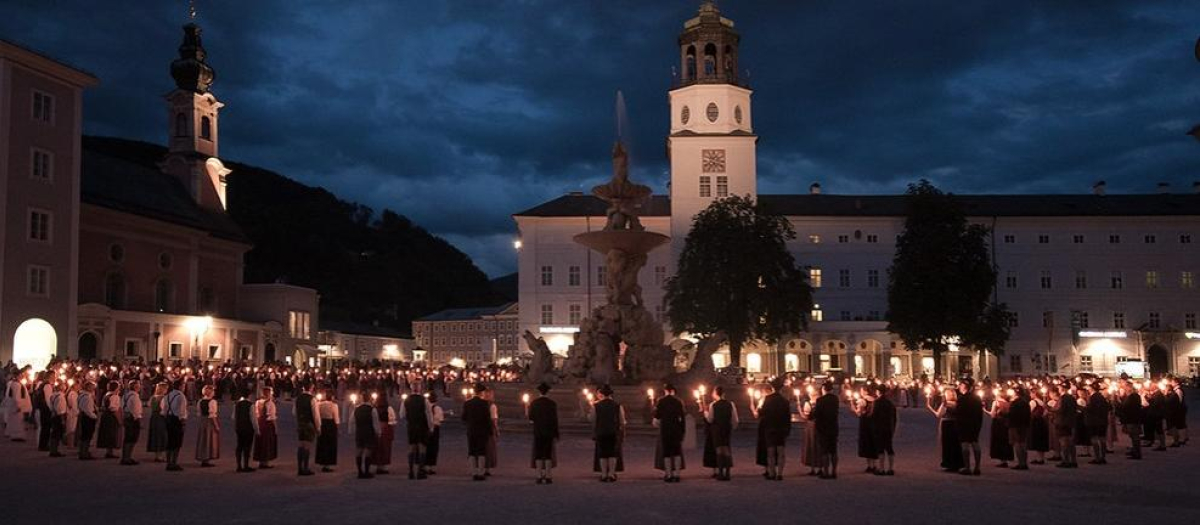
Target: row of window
[[575, 314], [1049, 363], [843, 239], [501, 339], [1116, 280], [1114, 238], [115, 292], [845, 278], [706, 189], [575, 277], [1082, 319], [472, 326]]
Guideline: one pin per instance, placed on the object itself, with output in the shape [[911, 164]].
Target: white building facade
[[1094, 279]]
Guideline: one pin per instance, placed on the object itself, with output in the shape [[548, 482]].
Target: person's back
[[1019, 413], [1096, 412], [608, 418], [543, 412], [825, 415], [477, 416], [1068, 412], [669, 412], [884, 414], [1131, 409]]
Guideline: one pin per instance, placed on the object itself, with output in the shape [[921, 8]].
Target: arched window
[[730, 59], [205, 128], [114, 291], [181, 125], [710, 60], [689, 70], [163, 295]]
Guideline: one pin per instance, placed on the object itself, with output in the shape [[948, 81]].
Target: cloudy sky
[[459, 113]]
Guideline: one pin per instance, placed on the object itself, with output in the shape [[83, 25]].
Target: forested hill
[[367, 266]]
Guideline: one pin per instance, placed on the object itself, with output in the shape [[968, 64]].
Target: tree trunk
[[937, 364]]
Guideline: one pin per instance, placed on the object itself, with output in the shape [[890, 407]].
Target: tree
[[942, 279], [737, 276]]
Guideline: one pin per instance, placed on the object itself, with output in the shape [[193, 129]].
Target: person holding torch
[[543, 414]]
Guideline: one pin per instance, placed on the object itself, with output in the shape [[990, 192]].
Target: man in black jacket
[[1130, 414], [825, 419], [1095, 417], [969, 419], [1020, 417], [543, 413], [774, 425], [477, 415], [669, 418]]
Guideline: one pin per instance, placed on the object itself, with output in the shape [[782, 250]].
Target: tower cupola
[[708, 49], [190, 70]]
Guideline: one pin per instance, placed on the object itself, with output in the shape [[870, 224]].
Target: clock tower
[[712, 141], [192, 125]]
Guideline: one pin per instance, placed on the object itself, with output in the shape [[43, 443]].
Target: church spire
[[190, 71]]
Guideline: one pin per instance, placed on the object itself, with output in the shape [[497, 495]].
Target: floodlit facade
[[1094, 279], [40, 125], [467, 336]]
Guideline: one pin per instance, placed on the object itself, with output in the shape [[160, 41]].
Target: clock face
[[685, 115], [713, 160], [737, 114], [713, 112]]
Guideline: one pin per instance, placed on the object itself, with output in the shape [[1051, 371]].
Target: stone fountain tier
[[629, 241]]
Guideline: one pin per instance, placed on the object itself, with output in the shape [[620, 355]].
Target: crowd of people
[[112, 408]]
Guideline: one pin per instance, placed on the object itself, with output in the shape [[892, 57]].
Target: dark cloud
[[460, 113]]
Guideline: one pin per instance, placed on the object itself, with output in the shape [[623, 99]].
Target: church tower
[[192, 125], [712, 142]]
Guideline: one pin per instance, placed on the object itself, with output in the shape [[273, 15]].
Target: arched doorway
[[1159, 360], [34, 343], [88, 345], [269, 353]]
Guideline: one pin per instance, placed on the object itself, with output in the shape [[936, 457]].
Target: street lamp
[[198, 326]]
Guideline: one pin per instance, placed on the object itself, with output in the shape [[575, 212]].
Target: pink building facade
[[40, 124]]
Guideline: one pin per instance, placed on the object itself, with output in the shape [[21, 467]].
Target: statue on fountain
[[623, 197]]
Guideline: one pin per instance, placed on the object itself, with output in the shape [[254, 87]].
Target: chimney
[[1098, 188], [814, 189], [1164, 188]]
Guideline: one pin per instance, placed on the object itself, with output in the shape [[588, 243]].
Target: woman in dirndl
[[208, 440], [327, 440], [108, 434], [156, 438], [266, 442], [381, 457]]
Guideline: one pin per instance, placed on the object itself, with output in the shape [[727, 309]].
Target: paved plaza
[[36, 489]]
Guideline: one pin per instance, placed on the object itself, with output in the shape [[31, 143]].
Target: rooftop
[[827, 205], [466, 314]]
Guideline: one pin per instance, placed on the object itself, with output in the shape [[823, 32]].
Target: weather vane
[[192, 9]]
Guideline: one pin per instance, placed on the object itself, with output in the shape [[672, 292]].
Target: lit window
[[43, 107], [299, 324], [41, 166], [816, 314], [1151, 279], [547, 314], [814, 277], [547, 276], [39, 281], [573, 276], [814, 239], [1085, 363], [39, 225]]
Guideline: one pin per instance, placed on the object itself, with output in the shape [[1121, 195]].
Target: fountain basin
[[628, 241]]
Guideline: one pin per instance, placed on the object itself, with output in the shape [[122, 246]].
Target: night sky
[[460, 113]]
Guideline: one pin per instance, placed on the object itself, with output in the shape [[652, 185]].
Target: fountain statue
[[624, 243]]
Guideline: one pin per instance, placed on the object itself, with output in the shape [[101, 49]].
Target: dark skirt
[[883, 439], [266, 443], [156, 438], [664, 449], [951, 449], [174, 433], [87, 428], [710, 448], [609, 447], [999, 446], [1083, 434], [492, 458], [327, 443], [968, 431], [433, 446], [110, 429], [477, 444], [810, 453], [133, 427], [1039, 435], [866, 439], [382, 455]]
